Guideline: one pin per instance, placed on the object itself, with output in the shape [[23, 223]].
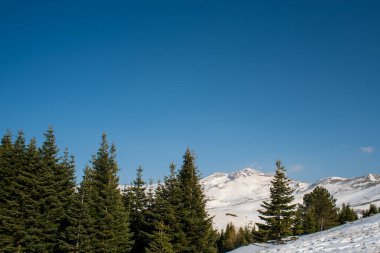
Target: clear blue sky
[[242, 83]]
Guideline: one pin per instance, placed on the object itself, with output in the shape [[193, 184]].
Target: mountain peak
[[246, 172], [373, 177]]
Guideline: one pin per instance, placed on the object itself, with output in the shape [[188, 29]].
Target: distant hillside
[[237, 196]]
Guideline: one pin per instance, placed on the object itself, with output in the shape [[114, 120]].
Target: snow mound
[[359, 236]]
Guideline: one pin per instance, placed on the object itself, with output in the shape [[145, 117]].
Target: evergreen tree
[[7, 226], [195, 221], [371, 210], [111, 228], [309, 220], [85, 215], [65, 184], [278, 212], [13, 157], [320, 207], [298, 221], [241, 238], [29, 176], [248, 234], [220, 240], [160, 241], [18, 208], [232, 238], [50, 207], [137, 202], [229, 238], [347, 214], [167, 208]]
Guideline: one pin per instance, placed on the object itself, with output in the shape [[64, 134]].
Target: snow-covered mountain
[[237, 196], [359, 236]]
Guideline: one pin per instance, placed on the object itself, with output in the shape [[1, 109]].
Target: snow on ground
[[237, 196], [359, 236]]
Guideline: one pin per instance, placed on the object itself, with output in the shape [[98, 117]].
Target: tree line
[[43, 210]]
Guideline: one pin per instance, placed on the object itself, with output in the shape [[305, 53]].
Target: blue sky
[[242, 83]]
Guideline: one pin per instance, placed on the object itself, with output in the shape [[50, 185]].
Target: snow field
[[362, 236]]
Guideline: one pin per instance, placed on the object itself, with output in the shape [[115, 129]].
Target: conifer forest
[[44, 209]]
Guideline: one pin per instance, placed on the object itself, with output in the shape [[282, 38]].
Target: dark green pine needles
[[278, 212], [37, 189], [195, 222], [101, 200]]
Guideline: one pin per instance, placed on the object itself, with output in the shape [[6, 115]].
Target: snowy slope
[[236, 197], [359, 236]]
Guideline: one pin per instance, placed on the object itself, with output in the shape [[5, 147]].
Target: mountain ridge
[[236, 196]]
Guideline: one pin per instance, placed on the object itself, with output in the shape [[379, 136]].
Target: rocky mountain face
[[237, 196]]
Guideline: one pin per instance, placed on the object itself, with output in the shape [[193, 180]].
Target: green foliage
[[167, 208], [278, 212], [232, 238], [373, 209], [160, 241], [38, 195], [109, 230], [194, 219], [139, 206], [347, 214], [85, 212], [229, 238], [298, 224], [9, 207], [320, 209], [29, 180]]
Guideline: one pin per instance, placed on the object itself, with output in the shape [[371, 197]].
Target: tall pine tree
[[278, 212], [56, 183], [111, 228], [195, 221], [86, 212], [167, 208], [8, 175], [137, 203], [33, 240]]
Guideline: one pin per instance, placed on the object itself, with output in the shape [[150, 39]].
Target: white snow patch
[[359, 236]]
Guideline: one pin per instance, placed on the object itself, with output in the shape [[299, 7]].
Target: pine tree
[[33, 239], [85, 215], [373, 209], [320, 207], [278, 212], [50, 207], [6, 194], [167, 208], [347, 214], [160, 241], [248, 234], [298, 222], [195, 221], [241, 239], [229, 239], [309, 220], [65, 183], [220, 240], [137, 202], [12, 156], [111, 227]]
